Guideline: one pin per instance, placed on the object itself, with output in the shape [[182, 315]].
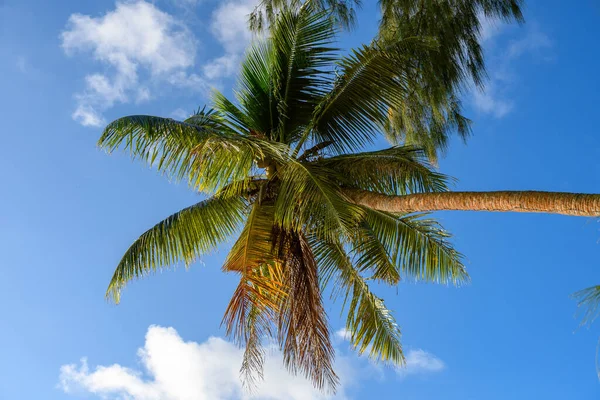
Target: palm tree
[[283, 170]]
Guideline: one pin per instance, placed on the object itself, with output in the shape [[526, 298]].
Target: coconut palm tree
[[284, 169]]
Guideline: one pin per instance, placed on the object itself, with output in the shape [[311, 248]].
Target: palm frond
[[427, 122], [254, 92], [588, 300], [371, 325], [183, 236], [308, 198], [257, 299], [355, 110], [266, 12], [208, 156], [455, 24], [370, 255], [303, 329], [394, 171], [418, 247], [301, 45]]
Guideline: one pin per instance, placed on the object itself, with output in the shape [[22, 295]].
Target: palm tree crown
[[275, 165]]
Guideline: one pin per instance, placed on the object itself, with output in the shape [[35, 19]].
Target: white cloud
[[230, 27], [180, 114], [87, 116], [343, 334], [177, 370], [419, 361], [135, 37], [495, 99], [533, 42], [488, 102]]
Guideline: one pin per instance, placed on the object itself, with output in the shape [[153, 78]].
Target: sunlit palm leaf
[[256, 302], [183, 236], [208, 156], [302, 55]]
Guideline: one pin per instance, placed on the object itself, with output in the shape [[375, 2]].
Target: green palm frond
[[208, 156], [588, 300], [394, 171], [183, 236], [455, 24], [355, 110], [308, 197], [371, 325], [427, 122], [302, 53], [418, 247], [254, 92], [370, 255]]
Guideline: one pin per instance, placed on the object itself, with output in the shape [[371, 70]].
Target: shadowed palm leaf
[[430, 110]]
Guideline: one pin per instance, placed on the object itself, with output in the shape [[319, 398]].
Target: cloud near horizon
[[173, 369]]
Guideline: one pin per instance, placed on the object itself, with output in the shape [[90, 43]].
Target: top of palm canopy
[[434, 110], [275, 164]]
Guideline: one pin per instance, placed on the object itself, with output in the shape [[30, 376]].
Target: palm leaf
[[418, 246], [256, 301], [301, 49], [309, 199], [371, 325], [208, 156], [303, 329], [355, 110], [588, 300], [183, 236], [394, 171]]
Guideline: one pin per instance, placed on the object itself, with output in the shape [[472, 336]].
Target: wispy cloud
[[178, 370], [420, 362], [503, 63], [342, 334], [230, 27], [417, 361], [180, 114], [134, 38], [22, 64]]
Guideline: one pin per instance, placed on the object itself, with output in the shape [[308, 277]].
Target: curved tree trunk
[[503, 201]]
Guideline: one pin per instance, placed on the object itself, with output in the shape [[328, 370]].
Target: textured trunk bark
[[527, 201]]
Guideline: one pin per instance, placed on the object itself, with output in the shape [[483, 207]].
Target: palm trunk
[[526, 201]]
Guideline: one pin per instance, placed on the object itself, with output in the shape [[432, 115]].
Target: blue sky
[[68, 211]]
